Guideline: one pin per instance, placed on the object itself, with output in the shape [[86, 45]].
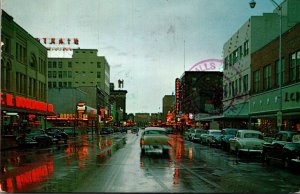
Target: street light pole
[[279, 113]]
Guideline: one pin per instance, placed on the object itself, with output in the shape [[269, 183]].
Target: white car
[[155, 138], [247, 141]]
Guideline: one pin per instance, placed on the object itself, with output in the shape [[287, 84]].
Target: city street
[[108, 164]]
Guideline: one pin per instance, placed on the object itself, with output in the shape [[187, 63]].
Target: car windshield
[[215, 133], [253, 135], [230, 132], [155, 132]]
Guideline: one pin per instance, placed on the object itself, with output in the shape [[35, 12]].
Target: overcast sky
[[147, 43]]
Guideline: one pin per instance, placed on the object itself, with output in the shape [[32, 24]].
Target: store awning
[[19, 110], [223, 117]]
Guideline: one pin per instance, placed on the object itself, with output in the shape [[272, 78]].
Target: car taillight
[[142, 142]]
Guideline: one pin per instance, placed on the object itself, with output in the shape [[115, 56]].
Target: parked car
[[106, 130], [58, 134], [135, 129], [196, 134], [153, 138], [26, 142], [188, 133], [38, 136], [295, 158], [70, 131], [250, 141], [214, 137], [226, 134], [284, 148], [203, 137]]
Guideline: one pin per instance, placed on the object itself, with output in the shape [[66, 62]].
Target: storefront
[[265, 109], [19, 114]]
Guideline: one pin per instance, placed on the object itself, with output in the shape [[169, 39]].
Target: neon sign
[[177, 95], [208, 65], [8, 100]]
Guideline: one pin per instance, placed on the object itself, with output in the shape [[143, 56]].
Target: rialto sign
[[59, 42], [8, 100]]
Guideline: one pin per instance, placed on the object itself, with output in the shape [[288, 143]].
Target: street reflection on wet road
[[57, 168], [114, 163]]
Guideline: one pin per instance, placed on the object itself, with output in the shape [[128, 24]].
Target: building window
[[70, 64], [49, 74], [235, 56], [60, 84], [225, 90], [65, 84], [21, 55], [226, 63], [49, 64], [54, 64], [246, 47], [267, 77], [54, 84], [49, 84], [295, 67], [33, 61], [70, 84], [230, 59], [232, 88], [60, 64], [54, 74], [69, 74], [256, 79], [65, 74], [98, 64], [240, 85], [98, 74], [240, 52], [245, 82], [59, 74]]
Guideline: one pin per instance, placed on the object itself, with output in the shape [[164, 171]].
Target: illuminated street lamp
[[279, 113]]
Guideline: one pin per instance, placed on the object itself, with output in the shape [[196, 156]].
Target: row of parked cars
[[285, 146], [42, 138]]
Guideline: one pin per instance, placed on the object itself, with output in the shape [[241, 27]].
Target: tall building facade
[[201, 92], [252, 36], [119, 96], [23, 79], [85, 71], [168, 104], [268, 95]]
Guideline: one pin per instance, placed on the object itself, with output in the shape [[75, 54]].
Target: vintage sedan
[[155, 138], [203, 137], [38, 136], [57, 134], [196, 134], [226, 134], [214, 137], [250, 141], [188, 133], [284, 148]]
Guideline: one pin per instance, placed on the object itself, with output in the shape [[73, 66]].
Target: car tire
[[142, 151]]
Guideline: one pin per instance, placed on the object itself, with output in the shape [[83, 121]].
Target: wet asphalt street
[[114, 164]]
